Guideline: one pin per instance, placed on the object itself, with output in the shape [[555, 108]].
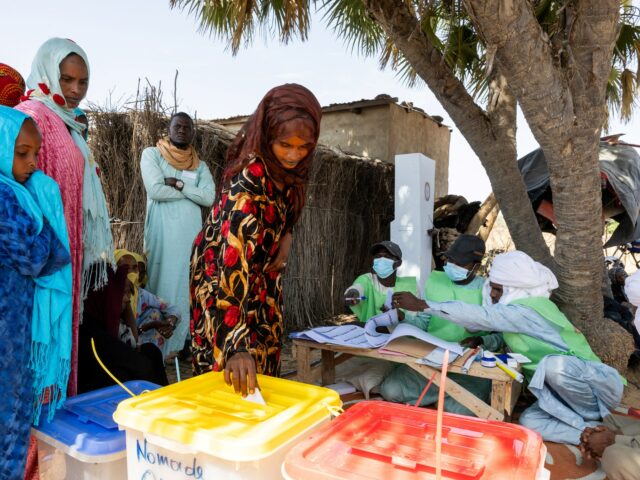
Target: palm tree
[[445, 22], [564, 62]]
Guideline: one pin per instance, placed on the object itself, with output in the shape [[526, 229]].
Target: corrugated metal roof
[[379, 100]]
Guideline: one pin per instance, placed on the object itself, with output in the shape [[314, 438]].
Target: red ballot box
[[381, 440]]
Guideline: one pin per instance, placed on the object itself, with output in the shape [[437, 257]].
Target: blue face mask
[[383, 266], [455, 272]]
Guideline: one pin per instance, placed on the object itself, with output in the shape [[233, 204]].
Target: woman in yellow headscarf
[[122, 261], [143, 276], [155, 319]]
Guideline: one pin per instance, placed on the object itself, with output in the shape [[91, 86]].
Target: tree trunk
[[491, 134], [562, 95], [590, 33]]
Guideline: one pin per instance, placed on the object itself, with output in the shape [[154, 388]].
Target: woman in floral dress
[[238, 257]]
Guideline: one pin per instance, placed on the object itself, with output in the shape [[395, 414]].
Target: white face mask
[[455, 272], [383, 267]]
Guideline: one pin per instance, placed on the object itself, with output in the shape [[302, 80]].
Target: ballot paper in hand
[[255, 397], [388, 320], [388, 303]]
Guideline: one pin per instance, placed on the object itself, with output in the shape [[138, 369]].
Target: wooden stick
[[443, 381], [425, 389]]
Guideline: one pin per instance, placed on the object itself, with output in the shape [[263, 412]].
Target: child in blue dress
[[35, 290]]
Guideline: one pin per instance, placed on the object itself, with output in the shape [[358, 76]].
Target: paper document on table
[[346, 335], [367, 337], [407, 346], [518, 357], [408, 330], [436, 358]]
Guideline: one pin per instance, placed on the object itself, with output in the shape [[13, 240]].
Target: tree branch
[[491, 134], [591, 35], [401, 25]]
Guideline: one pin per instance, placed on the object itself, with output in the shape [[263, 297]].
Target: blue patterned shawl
[[50, 358]]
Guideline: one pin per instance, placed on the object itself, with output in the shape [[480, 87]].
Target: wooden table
[[504, 390]]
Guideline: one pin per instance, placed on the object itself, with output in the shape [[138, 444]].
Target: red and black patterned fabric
[[235, 305]]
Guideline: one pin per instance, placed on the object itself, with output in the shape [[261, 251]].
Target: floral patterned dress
[[152, 308], [235, 305]]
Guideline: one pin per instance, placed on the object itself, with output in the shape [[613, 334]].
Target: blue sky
[[128, 40]]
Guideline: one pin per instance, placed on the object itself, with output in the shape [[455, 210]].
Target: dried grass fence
[[349, 204]]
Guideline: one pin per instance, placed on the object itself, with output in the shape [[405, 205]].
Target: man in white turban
[[575, 390]]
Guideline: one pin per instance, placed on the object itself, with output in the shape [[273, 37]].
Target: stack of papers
[[405, 339]]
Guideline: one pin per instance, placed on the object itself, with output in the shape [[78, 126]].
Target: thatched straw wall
[[349, 206]]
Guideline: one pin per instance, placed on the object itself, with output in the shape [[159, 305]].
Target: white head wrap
[[97, 239], [632, 289], [520, 276], [44, 78]]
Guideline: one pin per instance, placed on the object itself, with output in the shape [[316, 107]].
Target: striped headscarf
[[44, 86]]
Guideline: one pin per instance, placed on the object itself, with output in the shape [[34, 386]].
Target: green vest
[[439, 288], [536, 349], [375, 298]]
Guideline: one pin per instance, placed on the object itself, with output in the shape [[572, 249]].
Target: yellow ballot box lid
[[206, 415]]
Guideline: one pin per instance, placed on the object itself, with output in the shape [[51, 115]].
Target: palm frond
[[445, 23], [236, 21], [391, 56], [622, 88], [625, 48], [289, 19], [350, 21], [628, 94], [613, 91]]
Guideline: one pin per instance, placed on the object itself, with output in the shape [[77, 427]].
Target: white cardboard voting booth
[[415, 177]]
